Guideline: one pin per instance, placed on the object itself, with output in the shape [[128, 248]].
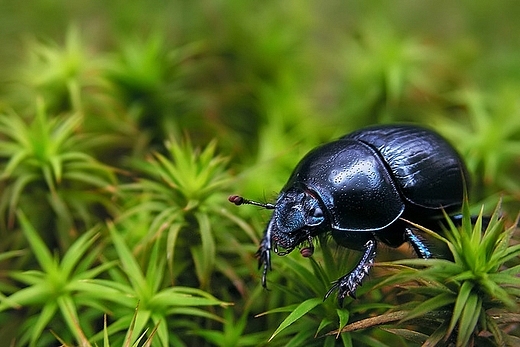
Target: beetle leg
[[418, 244], [264, 257], [348, 284], [457, 220]]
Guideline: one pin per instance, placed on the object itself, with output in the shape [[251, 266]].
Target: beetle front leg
[[264, 257], [348, 284]]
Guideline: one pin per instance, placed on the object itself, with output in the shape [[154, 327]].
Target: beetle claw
[[346, 287], [348, 284]]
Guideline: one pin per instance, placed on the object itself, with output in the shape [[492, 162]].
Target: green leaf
[[171, 297], [40, 250], [11, 254], [207, 256], [304, 275], [138, 327], [46, 314], [496, 331], [160, 329], [463, 276], [69, 312], [14, 162], [431, 305], [195, 312], [77, 251], [497, 288], [155, 269], [301, 337], [468, 319], [324, 323], [97, 289], [106, 342], [90, 273], [129, 263], [344, 316], [500, 258], [460, 304], [408, 334], [513, 271], [302, 309], [437, 336]]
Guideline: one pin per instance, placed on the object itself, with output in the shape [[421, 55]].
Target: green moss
[[148, 114]]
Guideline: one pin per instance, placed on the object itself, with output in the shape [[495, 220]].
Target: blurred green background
[[148, 114], [245, 72]]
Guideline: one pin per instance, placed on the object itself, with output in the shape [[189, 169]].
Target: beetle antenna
[[239, 200]]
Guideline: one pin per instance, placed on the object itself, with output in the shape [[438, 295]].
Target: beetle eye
[[315, 217], [317, 213]]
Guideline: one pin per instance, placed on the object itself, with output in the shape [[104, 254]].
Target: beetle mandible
[[362, 188]]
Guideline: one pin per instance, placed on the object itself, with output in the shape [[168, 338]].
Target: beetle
[[363, 188]]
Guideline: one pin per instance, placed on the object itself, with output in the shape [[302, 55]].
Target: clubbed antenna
[[239, 200]]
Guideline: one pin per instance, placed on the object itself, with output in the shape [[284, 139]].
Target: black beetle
[[362, 188]]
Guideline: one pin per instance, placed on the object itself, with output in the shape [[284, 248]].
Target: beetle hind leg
[[348, 284], [420, 248]]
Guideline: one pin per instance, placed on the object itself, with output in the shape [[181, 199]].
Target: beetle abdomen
[[427, 170]]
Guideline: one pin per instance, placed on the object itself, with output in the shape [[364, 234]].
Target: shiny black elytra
[[360, 188]]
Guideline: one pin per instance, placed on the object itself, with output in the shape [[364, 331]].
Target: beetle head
[[296, 214]]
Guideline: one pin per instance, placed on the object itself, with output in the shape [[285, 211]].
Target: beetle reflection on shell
[[361, 188]]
